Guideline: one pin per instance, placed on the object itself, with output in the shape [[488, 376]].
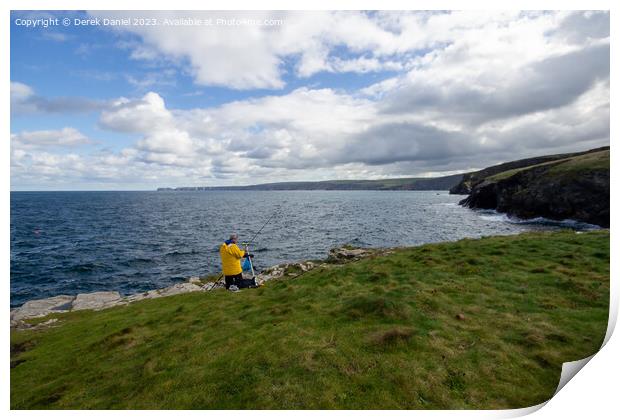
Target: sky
[[167, 99]]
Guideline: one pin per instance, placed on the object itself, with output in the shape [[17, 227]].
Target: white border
[[592, 393]]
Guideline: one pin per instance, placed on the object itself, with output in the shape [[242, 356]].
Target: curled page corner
[[569, 370], [611, 323], [520, 412]]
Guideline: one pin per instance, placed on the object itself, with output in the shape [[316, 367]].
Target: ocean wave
[[495, 216], [85, 267], [140, 260], [180, 253]]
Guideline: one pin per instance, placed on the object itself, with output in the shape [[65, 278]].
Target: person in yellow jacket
[[231, 256]]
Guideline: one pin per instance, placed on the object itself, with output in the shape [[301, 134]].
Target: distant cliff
[[573, 187], [470, 180], [413, 184]]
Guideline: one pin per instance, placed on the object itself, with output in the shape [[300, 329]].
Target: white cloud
[[163, 142], [253, 56], [151, 79], [66, 137], [24, 100], [20, 96], [472, 89], [55, 36], [137, 116], [497, 92], [20, 91]]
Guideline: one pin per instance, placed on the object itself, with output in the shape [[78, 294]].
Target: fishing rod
[[247, 244], [263, 227]]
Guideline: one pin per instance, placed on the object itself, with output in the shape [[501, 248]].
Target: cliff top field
[[504, 170], [470, 324], [598, 160]]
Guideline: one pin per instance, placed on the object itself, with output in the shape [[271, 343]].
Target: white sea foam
[[495, 216]]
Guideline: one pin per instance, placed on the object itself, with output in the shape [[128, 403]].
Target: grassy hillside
[[471, 324], [470, 180], [573, 165]]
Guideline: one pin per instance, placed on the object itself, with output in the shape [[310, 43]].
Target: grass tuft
[[360, 307], [391, 337]]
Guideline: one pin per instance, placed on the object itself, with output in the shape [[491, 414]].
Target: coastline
[[104, 299], [99, 300]]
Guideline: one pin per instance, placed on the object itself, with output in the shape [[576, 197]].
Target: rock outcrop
[[91, 301], [41, 307], [472, 179], [576, 188], [349, 254], [285, 270], [96, 301]]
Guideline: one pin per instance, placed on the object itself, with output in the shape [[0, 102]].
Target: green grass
[[590, 161], [563, 167], [379, 333]]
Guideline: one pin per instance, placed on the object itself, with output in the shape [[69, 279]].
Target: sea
[[78, 242]]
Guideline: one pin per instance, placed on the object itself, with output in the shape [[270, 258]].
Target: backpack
[[246, 265]]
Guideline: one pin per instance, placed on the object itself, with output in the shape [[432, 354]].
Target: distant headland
[[411, 184]]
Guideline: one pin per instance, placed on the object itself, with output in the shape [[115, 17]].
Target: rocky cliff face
[[565, 189], [470, 180]]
